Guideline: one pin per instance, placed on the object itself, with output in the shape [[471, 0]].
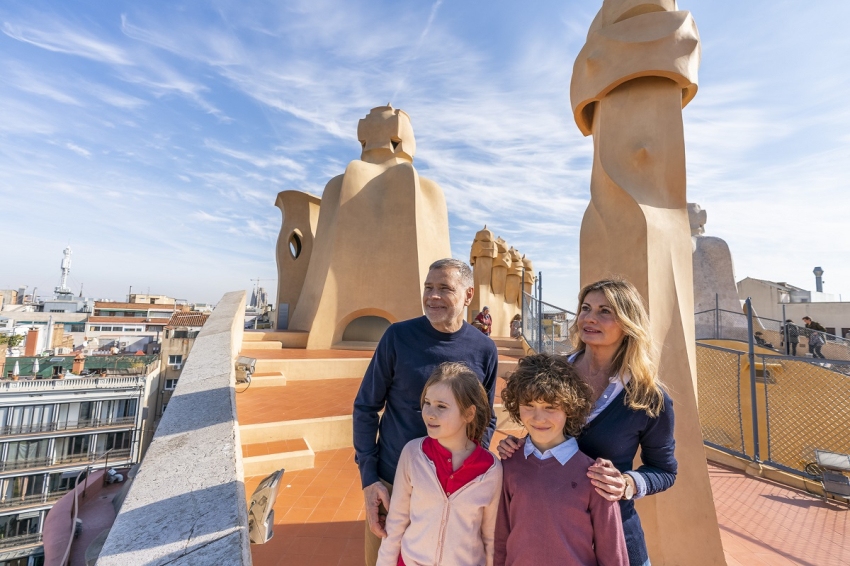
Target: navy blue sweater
[[404, 360], [615, 434]]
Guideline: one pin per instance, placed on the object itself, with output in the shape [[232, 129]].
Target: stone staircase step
[[271, 379], [517, 351], [263, 458], [264, 345], [322, 433], [288, 338], [504, 342], [312, 369], [506, 367]]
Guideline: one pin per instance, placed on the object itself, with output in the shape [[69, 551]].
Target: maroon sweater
[[550, 514]]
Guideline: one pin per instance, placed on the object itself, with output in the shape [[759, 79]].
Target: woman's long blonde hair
[[636, 353]]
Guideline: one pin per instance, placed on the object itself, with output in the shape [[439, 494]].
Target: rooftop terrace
[[296, 414]]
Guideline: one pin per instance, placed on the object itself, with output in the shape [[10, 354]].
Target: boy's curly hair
[[551, 379]]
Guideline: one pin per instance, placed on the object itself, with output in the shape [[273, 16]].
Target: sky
[[153, 137]]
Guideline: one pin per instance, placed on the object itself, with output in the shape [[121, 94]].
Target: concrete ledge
[[187, 503], [327, 433], [756, 469]]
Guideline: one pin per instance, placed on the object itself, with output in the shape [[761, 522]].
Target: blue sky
[[153, 137]]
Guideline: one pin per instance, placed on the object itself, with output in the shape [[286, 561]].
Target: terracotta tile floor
[[765, 523], [318, 515], [297, 400], [319, 519], [276, 447]]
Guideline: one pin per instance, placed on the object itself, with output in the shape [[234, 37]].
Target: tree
[[11, 340]]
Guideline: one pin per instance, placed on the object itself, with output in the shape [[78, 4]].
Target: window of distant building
[[175, 361], [170, 384], [78, 328], [181, 333]]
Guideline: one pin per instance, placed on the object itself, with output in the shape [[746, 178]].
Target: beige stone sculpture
[[632, 78], [300, 213], [498, 272], [379, 228]]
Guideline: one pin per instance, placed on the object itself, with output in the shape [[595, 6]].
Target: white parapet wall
[[187, 503]]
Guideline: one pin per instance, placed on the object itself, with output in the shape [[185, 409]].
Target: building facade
[[51, 432], [177, 341]]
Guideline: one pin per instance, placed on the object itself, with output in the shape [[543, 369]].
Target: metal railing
[[545, 327], [771, 408], [72, 383], [32, 500], [786, 338], [50, 462], [58, 427], [21, 540]]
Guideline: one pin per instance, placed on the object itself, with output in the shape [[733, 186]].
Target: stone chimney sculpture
[[498, 272], [380, 225], [632, 78]]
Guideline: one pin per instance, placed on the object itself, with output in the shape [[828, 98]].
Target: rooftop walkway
[[319, 518]]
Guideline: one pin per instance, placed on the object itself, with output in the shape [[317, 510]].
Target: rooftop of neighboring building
[[128, 319], [188, 319], [111, 305]]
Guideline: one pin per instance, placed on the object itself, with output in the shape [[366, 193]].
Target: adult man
[[816, 338], [485, 320], [404, 359], [792, 338]]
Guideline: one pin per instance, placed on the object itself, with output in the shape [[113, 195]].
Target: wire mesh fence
[[807, 407], [719, 390], [545, 326], [800, 405]]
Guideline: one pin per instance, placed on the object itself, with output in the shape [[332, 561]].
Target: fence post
[[751, 355], [717, 316], [540, 312], [785, 332]]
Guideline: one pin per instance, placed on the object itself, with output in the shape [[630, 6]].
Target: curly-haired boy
[[549, 512]]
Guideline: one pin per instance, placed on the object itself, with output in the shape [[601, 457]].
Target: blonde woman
[[614, 355]]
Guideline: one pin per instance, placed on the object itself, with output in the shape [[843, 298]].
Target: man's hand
[[376, 495]]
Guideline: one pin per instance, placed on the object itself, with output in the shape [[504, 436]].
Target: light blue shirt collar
[[562, 452]]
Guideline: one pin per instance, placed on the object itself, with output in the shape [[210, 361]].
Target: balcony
[[10, 543], [134, 381], [35, 464], [38, 500], [28, 430]]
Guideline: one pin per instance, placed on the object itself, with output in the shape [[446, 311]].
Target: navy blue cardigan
[[403, 361], [615, 434]]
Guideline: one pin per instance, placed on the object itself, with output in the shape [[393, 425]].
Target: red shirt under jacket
[[475, 465]]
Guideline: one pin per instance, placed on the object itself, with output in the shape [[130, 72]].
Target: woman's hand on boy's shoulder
[[509, 445], [608, 481]]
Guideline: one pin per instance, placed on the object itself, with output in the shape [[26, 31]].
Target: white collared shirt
[[615, 387], [562, 452]]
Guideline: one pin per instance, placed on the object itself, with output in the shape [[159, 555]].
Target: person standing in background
[[485, 320]]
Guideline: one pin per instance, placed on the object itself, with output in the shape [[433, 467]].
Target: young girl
[[446, 488], [549, 512]]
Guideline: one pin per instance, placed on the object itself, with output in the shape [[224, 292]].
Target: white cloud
[[78, 150], [61, 39]]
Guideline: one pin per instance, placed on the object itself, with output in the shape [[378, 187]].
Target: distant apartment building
[[177, 341], [771, 299], [150, 299], [128, 327], [8, 297], [52, 430]]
